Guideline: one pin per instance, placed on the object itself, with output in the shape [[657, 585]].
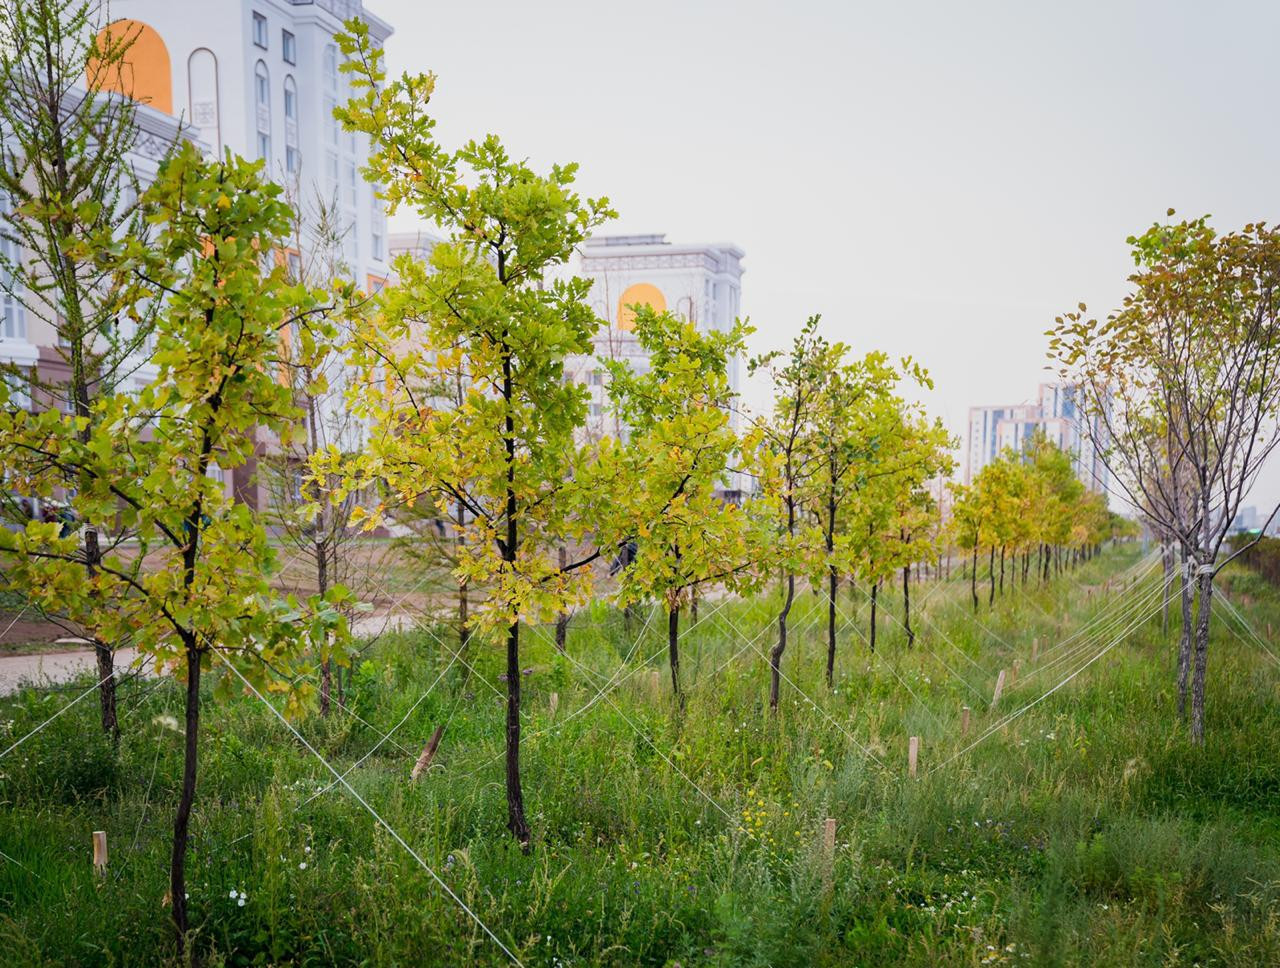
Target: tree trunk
[[562, 618], [182, 820], [673, 650], [875, 588], [833, 584], [991, 577], [1184, 646], [775, 654], [1002, 570], [906, 606], [322, 583], [516, 822], [973, 576], [1203, 609], [464, 602]]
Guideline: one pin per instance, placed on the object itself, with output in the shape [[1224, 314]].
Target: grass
[[1087, 831]]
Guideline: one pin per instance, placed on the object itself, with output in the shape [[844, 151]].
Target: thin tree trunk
[[562, 617], [875, 588], [775, 654], [322, 581], [182, 820], [516, 821], [833, 584], [1204, 606], [833, 580], [991, 577], [1184, 645], [1002, 569], [673, 650], [906, 605], [973, 575], [464, 602]]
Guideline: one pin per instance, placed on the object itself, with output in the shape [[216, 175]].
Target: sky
[[936, 179]]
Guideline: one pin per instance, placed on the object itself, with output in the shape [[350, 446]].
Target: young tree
[[783, 447], [69, 196], [490, 307], [848, 412], [149, 463], [674, 463], [1193, 353], [324, 542]]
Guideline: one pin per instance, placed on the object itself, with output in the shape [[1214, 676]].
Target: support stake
[[999, 689], [913, 755], [428, 754], [100, 853], [828, 850]]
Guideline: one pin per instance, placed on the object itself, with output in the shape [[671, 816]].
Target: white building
[[1057, 414], [261, 78], [700, 282], [26, 340]]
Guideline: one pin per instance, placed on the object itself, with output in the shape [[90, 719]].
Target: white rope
[[82, 695], [1004, 721], [1248, 628], [926, 648], [373, 813], [378, 745], [639, 732]]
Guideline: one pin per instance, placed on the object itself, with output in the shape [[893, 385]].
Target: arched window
[[262, 105], [145, 73], [202, 85], [292, 158], [643, 294]]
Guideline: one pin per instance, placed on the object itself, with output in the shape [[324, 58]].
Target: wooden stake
[[913, 754], [555, 703], [1013, 673], [428, 754], [100, 853], [828, 850], [964, 721], [999, 689], [655, 681], [1035, 649]]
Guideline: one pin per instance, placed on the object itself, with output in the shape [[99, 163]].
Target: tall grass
[[1086, 831]]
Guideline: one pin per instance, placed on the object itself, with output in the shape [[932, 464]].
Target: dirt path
[[51, 668]]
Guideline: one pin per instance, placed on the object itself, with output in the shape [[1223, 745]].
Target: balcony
[[342, 9]]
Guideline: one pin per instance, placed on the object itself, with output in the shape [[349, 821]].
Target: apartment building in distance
[[700, 282], [258, 78], [1057, 413], [261, 78]]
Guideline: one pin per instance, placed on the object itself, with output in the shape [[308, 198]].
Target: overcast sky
[[939, 179]]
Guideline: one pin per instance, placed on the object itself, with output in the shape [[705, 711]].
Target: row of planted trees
[[194, 350], [1029, 510]]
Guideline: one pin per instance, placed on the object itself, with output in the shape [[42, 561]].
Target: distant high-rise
[[1058, 414]]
